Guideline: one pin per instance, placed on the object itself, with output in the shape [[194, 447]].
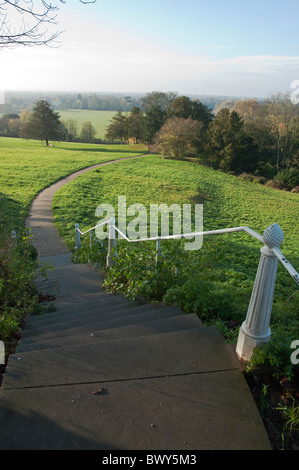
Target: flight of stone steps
[[101, 373]]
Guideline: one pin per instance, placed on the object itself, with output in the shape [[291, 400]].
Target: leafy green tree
[[227, 145], [71, 129], [118, 127], [88, 132], [184, 107], [44, 124], [153, 121], [157, 98], [135, 122]]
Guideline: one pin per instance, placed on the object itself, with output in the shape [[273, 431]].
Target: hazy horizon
[[215, 48]]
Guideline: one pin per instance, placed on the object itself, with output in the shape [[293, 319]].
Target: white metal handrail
[[193, 234], [255, 330]]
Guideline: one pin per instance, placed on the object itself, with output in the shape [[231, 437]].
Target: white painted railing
[[255, 330]]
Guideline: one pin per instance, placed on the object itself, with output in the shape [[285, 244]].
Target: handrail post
[[158, 250], [14, 237], [111, 255], [78, 239], [255, 330]]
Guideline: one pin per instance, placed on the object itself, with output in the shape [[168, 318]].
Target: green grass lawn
[[99, 119], [26, 167], [228, 201]]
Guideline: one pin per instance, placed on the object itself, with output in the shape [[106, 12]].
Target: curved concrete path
[[40, 218]]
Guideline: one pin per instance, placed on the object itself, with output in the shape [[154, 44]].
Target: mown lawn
[[99, 119], [26, 167], [228, 201]]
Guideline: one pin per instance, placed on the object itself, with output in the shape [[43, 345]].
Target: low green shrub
[[18, 293], [213, 283]]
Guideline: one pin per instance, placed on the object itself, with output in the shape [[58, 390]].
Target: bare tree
[[29, 22]]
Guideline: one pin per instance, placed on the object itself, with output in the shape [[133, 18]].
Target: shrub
[[18, 293], [288, 178]]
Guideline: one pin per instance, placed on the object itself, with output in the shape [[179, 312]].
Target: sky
[[243, 48]]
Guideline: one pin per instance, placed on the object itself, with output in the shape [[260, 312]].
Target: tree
[[88, 132], [28, 23], [227, 145], [118, 128], [282, 117], [179, 137], [43, 124], [157, 98], [184, 107], [153, 121], [249, 110], [71, 129], [135, 122]]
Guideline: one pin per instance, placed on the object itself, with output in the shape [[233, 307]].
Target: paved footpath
[[102, 373]]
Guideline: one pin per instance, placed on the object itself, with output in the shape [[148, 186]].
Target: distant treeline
[[15, 102], [256, 140]]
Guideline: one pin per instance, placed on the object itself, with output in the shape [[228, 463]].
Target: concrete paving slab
[[183, 352], [212, 411], [145, 328]]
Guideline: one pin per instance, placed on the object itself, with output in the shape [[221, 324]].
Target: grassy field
[[99, 119], [228, 201], [26, 167]]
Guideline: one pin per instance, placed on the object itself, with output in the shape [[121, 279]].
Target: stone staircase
[[103, 373]]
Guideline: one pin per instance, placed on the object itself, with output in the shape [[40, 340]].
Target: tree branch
[[24, 22]]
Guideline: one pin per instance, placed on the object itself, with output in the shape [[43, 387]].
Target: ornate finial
[[273, 236]]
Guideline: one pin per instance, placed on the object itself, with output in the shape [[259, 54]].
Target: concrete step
[[36, 321], [70, 321], [90, 316], [182, 414], [193, 351], [145, 328], [65, 280], [114, 319], [68, 303]]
